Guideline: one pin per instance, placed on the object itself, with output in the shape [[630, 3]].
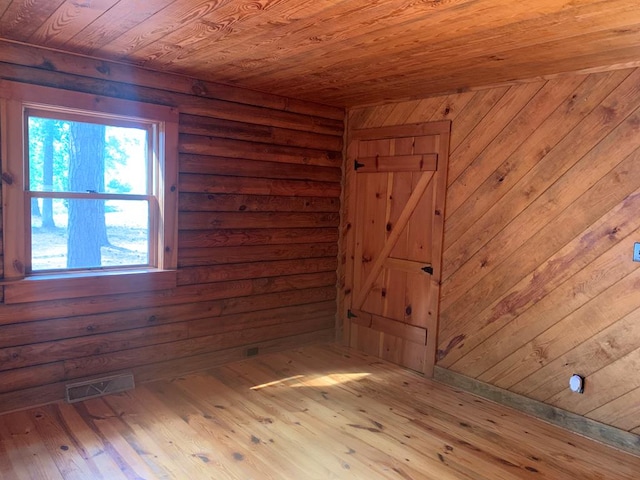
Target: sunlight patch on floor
[[330, 379]]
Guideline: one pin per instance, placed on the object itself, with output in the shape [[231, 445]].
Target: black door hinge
[[357, 165], [350, 314], [428, 269]]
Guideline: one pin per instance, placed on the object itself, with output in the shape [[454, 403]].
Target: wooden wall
[[258, 231], [542, 213]]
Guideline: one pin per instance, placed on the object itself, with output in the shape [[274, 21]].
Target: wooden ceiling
[[338, 52]]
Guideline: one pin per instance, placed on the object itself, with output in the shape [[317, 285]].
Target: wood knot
[[408, 310], [18, 266], [104, 69], [608, 113], [48, 65], [389, 227], [452, 344], [199, 88], [202, 457], [7, 178]]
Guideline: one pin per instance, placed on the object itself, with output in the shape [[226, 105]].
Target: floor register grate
[[98, 387]]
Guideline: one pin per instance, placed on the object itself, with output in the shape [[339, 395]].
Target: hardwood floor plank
[[88, 443], [249, 420], [404, 428], [182, 443], [115, 436], [352, 428], [30, 458], [477, 440], [315, 412], [68, 457], [513, 426], [221, 416]]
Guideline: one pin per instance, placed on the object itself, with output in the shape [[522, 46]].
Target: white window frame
[[19, 285]]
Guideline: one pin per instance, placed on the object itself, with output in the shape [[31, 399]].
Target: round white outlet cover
[[575, 383]]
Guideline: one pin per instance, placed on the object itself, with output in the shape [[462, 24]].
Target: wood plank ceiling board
[[341, 53]]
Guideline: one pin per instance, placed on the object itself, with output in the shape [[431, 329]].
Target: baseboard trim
[[600, 432]]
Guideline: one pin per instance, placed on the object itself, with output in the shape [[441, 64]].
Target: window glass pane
[[86, 233], [68, 156]]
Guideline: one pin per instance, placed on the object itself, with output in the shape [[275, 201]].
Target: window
[[89, 193]]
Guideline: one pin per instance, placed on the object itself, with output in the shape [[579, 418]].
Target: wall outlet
[[636, 252], [576, 383]]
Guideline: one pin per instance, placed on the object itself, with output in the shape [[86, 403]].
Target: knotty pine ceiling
[[338, 52]]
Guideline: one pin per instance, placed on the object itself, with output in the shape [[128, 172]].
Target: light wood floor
[[313, 413]]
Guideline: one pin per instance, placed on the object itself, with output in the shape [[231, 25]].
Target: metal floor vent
[[98, 387]]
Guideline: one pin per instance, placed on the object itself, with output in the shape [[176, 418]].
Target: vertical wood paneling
[[538, 280], [257, 253]]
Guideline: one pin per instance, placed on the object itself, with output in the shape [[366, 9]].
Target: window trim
[[15, 99], [152, 186]]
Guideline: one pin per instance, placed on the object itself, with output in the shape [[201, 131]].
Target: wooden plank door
[[395, 193]]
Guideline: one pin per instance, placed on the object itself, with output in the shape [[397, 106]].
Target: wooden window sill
[[87, 284]]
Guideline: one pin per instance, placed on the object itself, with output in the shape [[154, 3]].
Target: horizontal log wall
[[541, 218], [258, 231]]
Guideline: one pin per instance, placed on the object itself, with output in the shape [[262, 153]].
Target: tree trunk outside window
[[47, 173], [86, 228]]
